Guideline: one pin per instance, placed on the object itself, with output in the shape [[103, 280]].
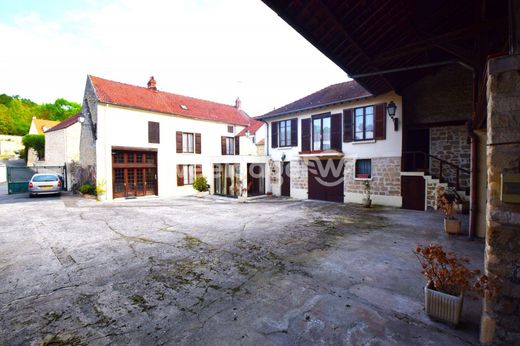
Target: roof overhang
[[321, 154]]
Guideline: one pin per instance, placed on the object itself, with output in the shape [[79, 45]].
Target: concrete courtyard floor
[[213, 271]]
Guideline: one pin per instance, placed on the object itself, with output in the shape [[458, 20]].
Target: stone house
[[329, 144], [62, 142], [38, 127], [141, 141]]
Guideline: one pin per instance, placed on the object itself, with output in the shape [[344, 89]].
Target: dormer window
[[184, 107]]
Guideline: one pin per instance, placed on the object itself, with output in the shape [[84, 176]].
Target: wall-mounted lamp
[[283, 157], [248, 133], [391, 108], [81, 119]]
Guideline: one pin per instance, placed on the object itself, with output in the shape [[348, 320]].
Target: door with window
[[134, 173]]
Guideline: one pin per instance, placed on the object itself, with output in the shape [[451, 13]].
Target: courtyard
[[214, 271]]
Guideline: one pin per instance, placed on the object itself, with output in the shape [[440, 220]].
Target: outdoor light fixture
[[391, 108], [81, 119], [283, 158], [248, 133]]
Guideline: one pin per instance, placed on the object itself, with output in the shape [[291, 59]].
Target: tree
[[59, 110], [36, 142]]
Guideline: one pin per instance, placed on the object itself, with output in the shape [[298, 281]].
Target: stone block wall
[[386, 177], [299, 175], [87, 147], [501, 318], [450, 143]]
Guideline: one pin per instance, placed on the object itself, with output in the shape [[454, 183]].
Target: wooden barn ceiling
[[371, 36]]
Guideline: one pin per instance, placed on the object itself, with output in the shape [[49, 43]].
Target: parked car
[[44, 184]]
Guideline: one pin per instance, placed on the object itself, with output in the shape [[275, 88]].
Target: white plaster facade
[[62, 146], [391, 147]]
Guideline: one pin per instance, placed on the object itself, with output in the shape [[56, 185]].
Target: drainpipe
[[474, 167], [266, 137]]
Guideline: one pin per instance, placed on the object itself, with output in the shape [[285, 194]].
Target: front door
[[326, 180], [255, 179], [286, 179], [134, 173], [413, 192]]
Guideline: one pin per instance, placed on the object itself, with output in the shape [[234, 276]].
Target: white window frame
[[188, 173], [364, 116], [230, 145], [188, 142], [284, 133]]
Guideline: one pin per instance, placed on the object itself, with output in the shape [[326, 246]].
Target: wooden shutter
[[306, 135], [237, 145], [348, 125], [198, 147], [380, 121], [178, 137], [180, 175], [294, 132], [335, 131], [274, 134], [198, 170], [223, 144], [153, 132]]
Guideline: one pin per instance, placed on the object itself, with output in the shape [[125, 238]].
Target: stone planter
[[242, 199], [367, 202], [87, 196], [201, 194], [441, 306], [452, 226]]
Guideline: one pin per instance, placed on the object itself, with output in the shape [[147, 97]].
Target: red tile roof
[[333, 94], [253, 127], [126, 95], [65, 123]]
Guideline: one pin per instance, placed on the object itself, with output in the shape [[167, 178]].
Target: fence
[[18, 177]]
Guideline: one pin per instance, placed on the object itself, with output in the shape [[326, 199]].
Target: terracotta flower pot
[[452, 226], [441, 306]]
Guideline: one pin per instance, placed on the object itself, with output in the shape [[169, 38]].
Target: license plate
[[46, 186]]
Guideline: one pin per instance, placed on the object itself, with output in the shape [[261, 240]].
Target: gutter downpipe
[[473, 208], [266, 137]]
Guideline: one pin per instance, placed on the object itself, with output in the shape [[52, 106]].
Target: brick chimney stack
[[152, 84], [238, 103]]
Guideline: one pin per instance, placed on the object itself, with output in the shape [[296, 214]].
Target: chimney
[[152, 84], [238, 103]]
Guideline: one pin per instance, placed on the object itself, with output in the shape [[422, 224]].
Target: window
[[364, 123], [153, 132], [187, 143], [321, 133], [364, 169], [285, 133], [230, 129], [188, 172], [230, 146]]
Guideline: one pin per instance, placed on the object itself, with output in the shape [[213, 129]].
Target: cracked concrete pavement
[[214, 271]]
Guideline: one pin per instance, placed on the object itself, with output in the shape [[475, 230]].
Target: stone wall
[[87, 147], [299, 175], [386, 177], [450, 143], [501, 318]]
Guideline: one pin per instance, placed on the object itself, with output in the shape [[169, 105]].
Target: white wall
[[125, 127], [62, 146]]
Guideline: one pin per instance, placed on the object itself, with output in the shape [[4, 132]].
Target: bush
[[200, 184], [37, 142], [88, 189]]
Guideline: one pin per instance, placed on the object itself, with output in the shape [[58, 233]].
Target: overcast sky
[[210, 49]]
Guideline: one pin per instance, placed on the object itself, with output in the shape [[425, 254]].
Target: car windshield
[[40, 178]]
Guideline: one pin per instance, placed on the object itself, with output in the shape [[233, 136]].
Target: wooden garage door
[[326, 180], [413, 193], [134, 173]]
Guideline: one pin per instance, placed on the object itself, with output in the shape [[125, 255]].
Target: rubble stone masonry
[[501, 318], [450, 143], [386, 177]]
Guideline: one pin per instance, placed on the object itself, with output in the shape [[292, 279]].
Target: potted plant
[[201, 185], [446, 203], [242, 197], [448, 280], [367, 202]]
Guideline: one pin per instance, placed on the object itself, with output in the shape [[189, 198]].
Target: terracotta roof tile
[[253, 127], [65, 123], [127, 95], [333, 94]]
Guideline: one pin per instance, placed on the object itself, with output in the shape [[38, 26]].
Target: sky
[[211, 49]]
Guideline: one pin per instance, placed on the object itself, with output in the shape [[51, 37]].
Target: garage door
[[326, 180], [134, 173], [413, 192]]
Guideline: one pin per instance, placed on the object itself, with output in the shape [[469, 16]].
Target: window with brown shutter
[[153, 132], [274, 134], [198, 147], [348, 126], [223, 145], [180, 175], [306, 135], [198, 170], [237, 145], [178, 140], [380, 121], [294, 132], [335, 132]]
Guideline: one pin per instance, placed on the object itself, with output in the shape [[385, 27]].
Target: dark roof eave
[[171, 114], [314, 107]]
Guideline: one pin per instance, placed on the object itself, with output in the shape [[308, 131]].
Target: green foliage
[[37, 142], [88, 189], [200, 184], [16, 113]]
